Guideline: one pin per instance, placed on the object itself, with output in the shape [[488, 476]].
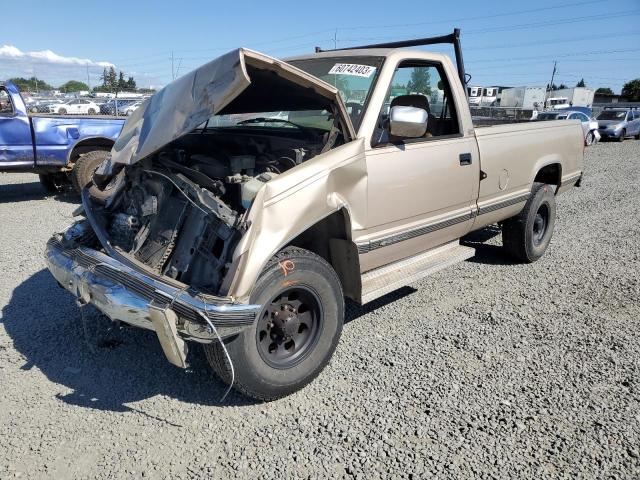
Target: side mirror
[[408, 122]]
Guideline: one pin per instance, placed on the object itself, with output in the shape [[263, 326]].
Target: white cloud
[[47, 57]]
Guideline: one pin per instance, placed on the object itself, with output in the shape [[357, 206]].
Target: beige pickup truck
[[244, 201]]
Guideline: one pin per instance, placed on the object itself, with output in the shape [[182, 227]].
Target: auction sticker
[[352, 69]]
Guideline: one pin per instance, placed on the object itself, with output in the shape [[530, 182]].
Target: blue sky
[[504, 43]]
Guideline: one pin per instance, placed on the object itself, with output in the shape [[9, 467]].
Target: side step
[[382, 280]]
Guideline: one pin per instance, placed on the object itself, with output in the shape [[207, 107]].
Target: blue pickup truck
[[58, 148]]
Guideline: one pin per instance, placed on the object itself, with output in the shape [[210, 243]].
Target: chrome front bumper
[[127, 295]]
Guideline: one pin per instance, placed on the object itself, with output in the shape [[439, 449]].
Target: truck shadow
[[97, 364], [25, 192], [486, 254]]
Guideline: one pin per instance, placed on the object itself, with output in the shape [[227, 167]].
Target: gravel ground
[[487, 370]]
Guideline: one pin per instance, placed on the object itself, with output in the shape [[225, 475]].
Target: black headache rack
[[452, 38]]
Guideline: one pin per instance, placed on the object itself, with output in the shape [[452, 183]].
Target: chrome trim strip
[[416, 232], [503, 204]]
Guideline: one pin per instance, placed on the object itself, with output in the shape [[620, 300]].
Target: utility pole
[[88, 82], [173, 75], [335, 39], [35, 76], [553, 74]]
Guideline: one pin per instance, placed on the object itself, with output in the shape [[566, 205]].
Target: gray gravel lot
[[487, 370]]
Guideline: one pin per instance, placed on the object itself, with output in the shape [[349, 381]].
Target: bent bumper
[[130, 296]]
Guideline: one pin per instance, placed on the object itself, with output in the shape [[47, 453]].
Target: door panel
[[16, 147], [421, 191]]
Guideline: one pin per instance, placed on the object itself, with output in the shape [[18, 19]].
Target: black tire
[[623, 134], [91, 111], [590, 139], [83, 169], [526, 236], [637, 137], [263, 372], [62, 111], [48, 182]]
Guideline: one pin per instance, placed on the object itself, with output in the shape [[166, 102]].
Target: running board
[[382, 280]]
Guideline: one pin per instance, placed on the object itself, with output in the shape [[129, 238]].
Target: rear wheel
[[91, 111], [83, 169], [590, 139], [637, 137], [295, 333], [527, 235], [62, 111]]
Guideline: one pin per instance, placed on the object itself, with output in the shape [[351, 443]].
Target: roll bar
[[452, 38]]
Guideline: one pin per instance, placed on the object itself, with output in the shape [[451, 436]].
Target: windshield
[[612, 115], [353, 76]]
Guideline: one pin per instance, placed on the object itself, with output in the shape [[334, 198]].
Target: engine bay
[[182, 210]]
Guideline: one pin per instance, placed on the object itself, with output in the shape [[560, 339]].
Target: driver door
[[421, 191]]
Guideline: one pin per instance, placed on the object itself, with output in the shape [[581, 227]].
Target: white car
[[77, 106], [129, 109], [589, 125]]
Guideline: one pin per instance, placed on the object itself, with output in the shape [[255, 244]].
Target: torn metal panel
[[236, 82]]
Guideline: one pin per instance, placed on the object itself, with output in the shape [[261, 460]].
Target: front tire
[[295, 333], [590, 139], [83, 169], [62, 111], [91, 111], [623, 134], [527, 235]]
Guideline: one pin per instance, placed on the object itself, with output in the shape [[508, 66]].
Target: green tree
[[605, 91], [131, 84], [74, 86], [581, 83], [32, 84], [631, 90], [122, 84], [420, 81]]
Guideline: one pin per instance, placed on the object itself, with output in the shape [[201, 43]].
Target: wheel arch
[[549, 173], [88, 144]]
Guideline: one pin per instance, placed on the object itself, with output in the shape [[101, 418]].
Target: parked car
[[109, 107], [129, 109], [589, 125], [247, 237], [56, 148], [76, 106], [619, 123]]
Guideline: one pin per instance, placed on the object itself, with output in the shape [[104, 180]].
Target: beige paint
[[392, 190]]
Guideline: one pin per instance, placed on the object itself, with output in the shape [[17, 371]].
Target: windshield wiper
[[270, 120]]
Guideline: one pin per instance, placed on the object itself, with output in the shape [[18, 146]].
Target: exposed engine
[[182, 213]]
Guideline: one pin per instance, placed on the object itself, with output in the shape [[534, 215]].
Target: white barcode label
[[352, 69]]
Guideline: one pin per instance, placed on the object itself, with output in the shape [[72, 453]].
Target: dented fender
[[290, 204]]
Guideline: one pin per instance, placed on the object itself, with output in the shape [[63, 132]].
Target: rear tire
[[62, 111], [83, 169], [590, 139], [276, 356], [91, 111], [637, 137], [527, 235]]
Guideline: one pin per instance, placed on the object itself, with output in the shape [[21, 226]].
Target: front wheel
[[91, 111], [623, 134], [295, 333], [62, 111], [83, 169], [527, 235]]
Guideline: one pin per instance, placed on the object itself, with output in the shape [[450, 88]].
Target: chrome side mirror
[[408, 122]]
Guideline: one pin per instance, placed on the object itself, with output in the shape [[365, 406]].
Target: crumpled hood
[[607, 123], [219, 86]]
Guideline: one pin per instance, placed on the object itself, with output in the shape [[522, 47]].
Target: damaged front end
[[156, 248]]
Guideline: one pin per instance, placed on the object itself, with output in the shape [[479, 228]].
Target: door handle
[[465, 159]]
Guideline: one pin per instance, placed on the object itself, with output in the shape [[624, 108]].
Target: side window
[[6, 107], [422, 86], [574, 116]]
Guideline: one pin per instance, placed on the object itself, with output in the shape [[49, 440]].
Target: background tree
[[131, 84], [581, 83], [420, 81], [631, 90], [32, 84], [122, 84], [74, 86], [605, 91]]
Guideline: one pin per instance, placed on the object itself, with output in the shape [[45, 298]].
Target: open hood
[[241, 81]]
